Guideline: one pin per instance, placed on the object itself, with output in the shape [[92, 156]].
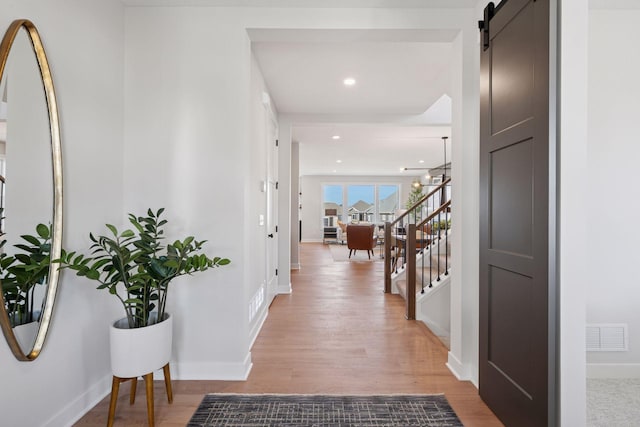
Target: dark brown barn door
[[516, 348]]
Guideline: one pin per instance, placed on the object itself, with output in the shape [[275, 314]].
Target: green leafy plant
[[21, 273], [414, 196], [137, 268], [441, 225]]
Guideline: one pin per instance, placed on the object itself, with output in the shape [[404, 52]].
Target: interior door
[[517, 354], [271, 272]]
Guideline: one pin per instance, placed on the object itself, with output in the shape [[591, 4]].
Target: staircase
[[417, 258]]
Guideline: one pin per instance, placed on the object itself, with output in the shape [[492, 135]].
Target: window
[[361, 203], [388, 202], [331, 205], [372, 203]]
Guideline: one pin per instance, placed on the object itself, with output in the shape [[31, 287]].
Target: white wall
[[84, 44], [573, 242], [257, 195], [188, 147], [296, 214], [465, 132], [613, 219], [311, 188]]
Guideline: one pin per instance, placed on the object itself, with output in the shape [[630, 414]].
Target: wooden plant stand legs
[[148, 380], [167, 382]]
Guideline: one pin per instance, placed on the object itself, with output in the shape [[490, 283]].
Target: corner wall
[[465, 170], [573, 244], [612, 183], [84, 46]]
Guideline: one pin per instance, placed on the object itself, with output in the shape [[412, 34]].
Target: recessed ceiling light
[[335, 137], [349, 81], [402, 169], [420, 161], [338, 161], [334, 171]]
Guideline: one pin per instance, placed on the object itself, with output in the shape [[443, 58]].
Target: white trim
[[82, 404], [284, 289], [224, 371], [312, 241], [436, 328], [459, 370], [257, 327], [613, 370], [295, 266]]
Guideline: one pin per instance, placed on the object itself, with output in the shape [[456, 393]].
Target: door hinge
[[276, 228], [276, 271], [483, 25], [277, 184], [277, 142]]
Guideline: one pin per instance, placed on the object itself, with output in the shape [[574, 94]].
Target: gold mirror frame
[[56, 152]]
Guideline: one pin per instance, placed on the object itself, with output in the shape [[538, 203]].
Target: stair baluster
[[402, 237]]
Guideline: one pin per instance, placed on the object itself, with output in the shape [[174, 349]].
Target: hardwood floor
[[337, 333]]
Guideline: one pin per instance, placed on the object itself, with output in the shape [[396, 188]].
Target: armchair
[[361, 237]]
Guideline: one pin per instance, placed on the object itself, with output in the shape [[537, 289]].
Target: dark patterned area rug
[[243, 410]]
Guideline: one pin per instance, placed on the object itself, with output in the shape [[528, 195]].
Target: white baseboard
[[312, 241], [76, 409], [211, 370], [284, 289], [295, 266], [613, 370], [437, 329], [458, 369], [455, 366]]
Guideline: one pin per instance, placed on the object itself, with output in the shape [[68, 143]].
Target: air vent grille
[[607, 337]]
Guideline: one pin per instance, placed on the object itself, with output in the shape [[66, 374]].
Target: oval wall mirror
[[30, 191]]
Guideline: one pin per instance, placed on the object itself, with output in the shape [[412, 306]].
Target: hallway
[[337, 333]]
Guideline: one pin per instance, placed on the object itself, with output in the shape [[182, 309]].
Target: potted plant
[[137, 268], [20, 275], [22, 272]]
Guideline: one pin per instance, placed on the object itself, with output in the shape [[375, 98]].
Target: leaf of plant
[[43, 231], [113, 229], [93, 274], [127, 234], [31, 239]]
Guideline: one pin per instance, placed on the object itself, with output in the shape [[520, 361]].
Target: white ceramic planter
[[26, 335], [140, 351]]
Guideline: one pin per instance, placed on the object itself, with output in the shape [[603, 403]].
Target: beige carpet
[[340, 253]]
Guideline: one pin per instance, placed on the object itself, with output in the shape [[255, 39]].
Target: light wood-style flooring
[[337, 333]]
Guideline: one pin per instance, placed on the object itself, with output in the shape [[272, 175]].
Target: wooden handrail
[[422, 200], [434, 214]]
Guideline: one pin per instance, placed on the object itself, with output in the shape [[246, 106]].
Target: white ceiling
[[401, 77], [391, 78], [370, 149]]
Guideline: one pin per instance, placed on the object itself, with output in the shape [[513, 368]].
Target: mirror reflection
[[27, 198]]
